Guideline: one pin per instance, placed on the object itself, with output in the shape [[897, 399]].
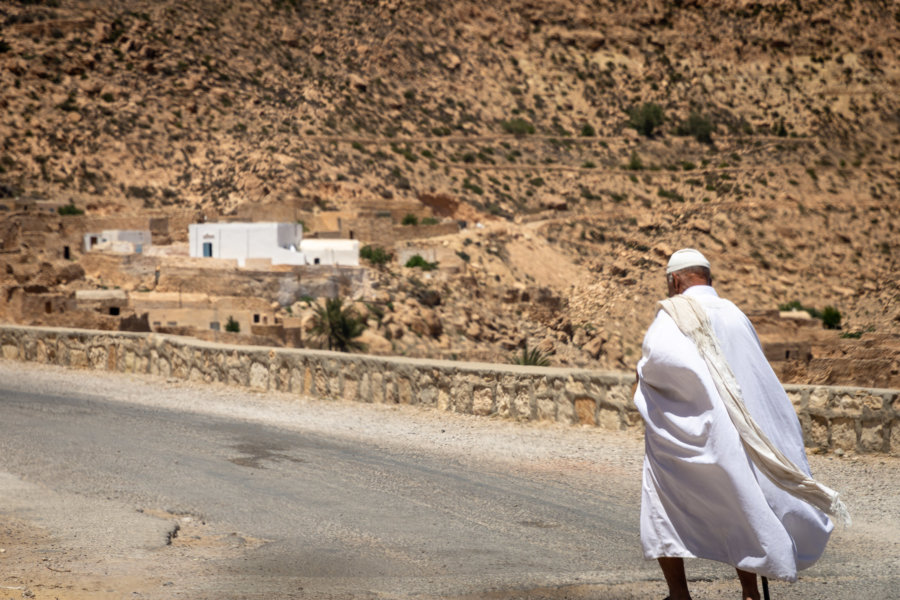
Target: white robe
[[701, 495]]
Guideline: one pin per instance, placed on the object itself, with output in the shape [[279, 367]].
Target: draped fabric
[[702, 494]]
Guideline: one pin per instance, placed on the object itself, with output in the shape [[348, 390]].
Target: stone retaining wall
[[851, 419]]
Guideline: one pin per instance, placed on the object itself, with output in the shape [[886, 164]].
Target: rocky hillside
[[592, 137]]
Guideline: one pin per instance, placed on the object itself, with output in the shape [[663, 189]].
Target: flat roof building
[[281, 243]]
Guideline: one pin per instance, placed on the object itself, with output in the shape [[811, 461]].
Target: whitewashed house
[[123, 241], [282, 243]]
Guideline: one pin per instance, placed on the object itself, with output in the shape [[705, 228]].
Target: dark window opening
[[215, 326], [114, 311], [207, 249], [67, 254], [256, 318], [48, 307], [316, 261]]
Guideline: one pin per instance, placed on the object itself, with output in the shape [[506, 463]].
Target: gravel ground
[[868, 483]]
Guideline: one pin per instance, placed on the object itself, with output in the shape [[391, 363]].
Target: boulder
[[376, 344]]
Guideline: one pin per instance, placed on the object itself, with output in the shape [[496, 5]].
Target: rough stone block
[[427, 396], [482, 401], [351, 389], [259, 377], [295, 381], [565, 409], [405, 391], [309, 382], [576, 388], [871, 438], [505, 401], [377, 388], [843, 434], [585, 411], [817, 435], [364, 391], [322, 389], [895, 439], [335, 381], [846, 404], [818, 399], [619, 396], [97, 358], [236, 376], [546, 409], [443, 398], [390, 390], [77, 358], [522, 405], [872, 402], [609, 419], [10, 352]]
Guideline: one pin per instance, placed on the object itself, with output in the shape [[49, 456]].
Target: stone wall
[[851, 419]]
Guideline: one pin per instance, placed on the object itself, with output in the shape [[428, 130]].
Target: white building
[[124, 241], [282, 243]]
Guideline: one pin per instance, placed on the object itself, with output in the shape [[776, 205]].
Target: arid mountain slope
[[775, 150]]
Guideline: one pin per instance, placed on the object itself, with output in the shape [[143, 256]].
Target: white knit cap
[[684, 258]]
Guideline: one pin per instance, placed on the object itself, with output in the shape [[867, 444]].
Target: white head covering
[[684, 258]]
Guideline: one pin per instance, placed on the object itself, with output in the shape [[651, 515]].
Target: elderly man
[[725, 472]]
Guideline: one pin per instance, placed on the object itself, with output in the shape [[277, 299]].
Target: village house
[[121, 241], [277, 243]]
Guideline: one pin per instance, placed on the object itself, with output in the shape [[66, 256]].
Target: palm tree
[[338, 326]]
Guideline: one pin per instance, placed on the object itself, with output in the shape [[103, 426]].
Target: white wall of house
[[331, 252], [283, 243], [119, 240]]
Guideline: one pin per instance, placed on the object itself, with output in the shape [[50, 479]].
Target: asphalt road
[[207, 504]]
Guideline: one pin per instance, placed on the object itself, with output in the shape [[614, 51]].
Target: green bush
[[69, 209], [375, 254], [232, 325], [410, 219], [587, 130], [646, 118], [416, 260], [697, 126], [831, 317], [430, 221], [635, 163], [518, 126]]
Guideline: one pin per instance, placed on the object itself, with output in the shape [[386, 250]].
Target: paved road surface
[[147, 489]]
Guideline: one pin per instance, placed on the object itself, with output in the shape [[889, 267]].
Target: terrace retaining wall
[[851, 419]]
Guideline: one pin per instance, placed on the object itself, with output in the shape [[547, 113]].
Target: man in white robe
[[702, 494]]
